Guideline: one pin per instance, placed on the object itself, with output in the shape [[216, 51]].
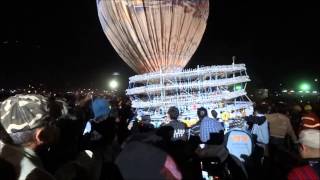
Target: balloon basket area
[[220, 88]]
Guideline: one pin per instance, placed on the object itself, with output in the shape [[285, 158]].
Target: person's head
[[140, 160], [260, 109], [214, 114], [310, 143], [281, 108], [297, 108], [26, 118], [173, 113], [307, 108], [202, 112], [145, 124], [146, 119], [100, 109]]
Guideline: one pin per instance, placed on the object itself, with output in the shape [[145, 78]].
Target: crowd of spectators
[[97, 137]]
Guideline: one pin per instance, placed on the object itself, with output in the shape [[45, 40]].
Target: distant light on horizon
[[305, 87], [113, 84]]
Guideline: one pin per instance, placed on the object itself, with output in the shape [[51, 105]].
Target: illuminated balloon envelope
[[154, 35]]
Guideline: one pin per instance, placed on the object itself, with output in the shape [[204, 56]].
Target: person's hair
[[24, 137], [173, 113], [260, 108], [281, 108], [214, 113], [27, 136], [146, 119], [202, 112]]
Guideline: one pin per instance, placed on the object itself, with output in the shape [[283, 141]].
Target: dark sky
[[60, 43]]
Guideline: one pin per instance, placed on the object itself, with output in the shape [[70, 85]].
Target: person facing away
[[214, 114], [179, 128], [258, 125], [25, 118], [208, 125], [309, 119], [280, 125], [310, 152]]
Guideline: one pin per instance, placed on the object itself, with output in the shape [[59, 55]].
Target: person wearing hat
[[28, 127], [310, 152], [310, 120]]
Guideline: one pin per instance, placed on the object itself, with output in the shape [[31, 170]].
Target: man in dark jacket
[[179, 128]]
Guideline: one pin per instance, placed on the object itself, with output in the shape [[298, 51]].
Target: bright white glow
[[113, 84], [284, 91], [292, 91], [314, 92], [316, 80], [89, 153]]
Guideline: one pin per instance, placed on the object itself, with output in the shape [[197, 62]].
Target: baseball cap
[[310, 138], [23, 112]]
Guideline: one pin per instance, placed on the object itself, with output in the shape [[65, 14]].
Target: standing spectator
[[214, 114], [26, 119], [280, 126], [310, 152], [208, 125], [195, 129], [295, 117], [179, 127], [259, 127], [310, 120]]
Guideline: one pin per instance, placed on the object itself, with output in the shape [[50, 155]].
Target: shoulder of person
[[184, 124], [39, 174], [301, 173]]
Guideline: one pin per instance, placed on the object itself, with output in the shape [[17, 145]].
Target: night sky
[[61, 43]]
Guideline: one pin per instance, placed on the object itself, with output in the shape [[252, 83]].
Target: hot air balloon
[[154, 35], [157, 39]]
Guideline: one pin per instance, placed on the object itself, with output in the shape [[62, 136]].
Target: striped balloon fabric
[[154, 35]]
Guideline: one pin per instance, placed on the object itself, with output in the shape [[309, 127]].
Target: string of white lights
[[188, 73], [195, 84]]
